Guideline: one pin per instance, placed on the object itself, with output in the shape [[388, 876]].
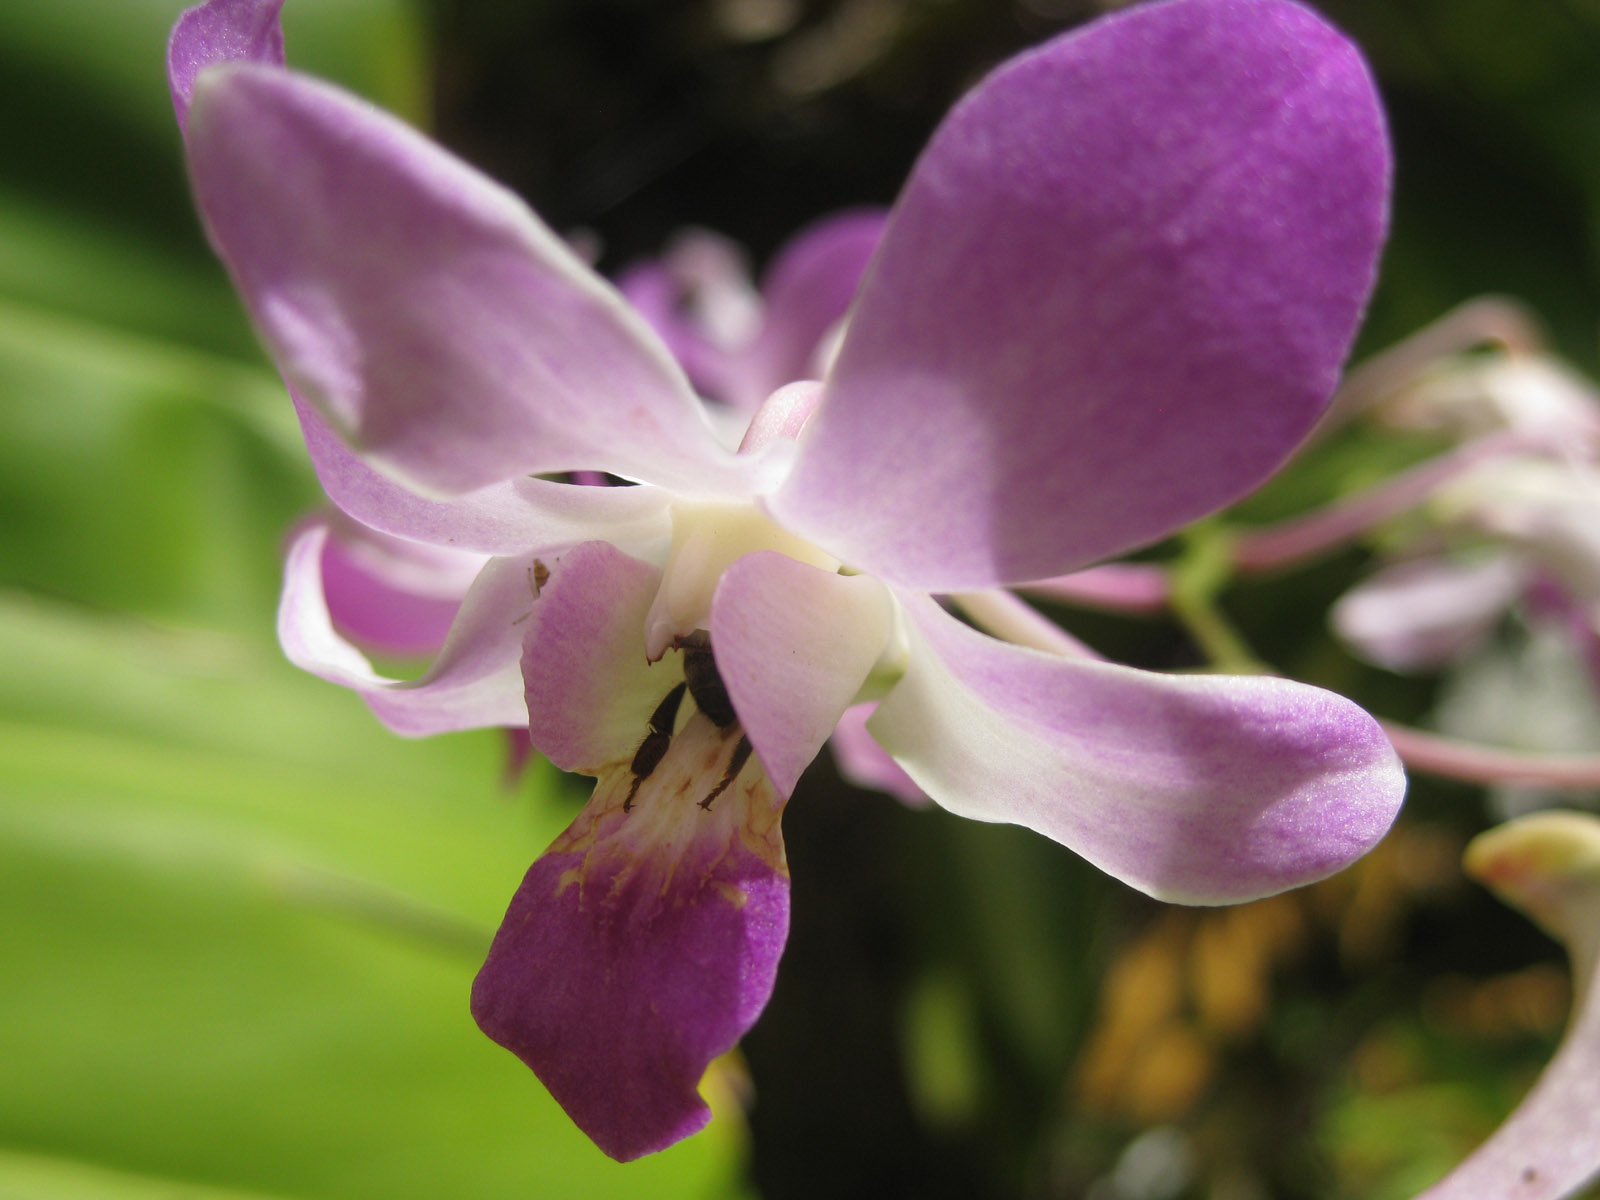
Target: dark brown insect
[[656, 742], [703, 683]]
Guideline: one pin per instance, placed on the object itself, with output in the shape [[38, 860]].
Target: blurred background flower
[[240, 920]]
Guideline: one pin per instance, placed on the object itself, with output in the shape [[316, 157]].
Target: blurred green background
[[238, 920]]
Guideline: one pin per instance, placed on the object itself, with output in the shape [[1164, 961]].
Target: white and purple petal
[[590, 689], [391, 595], [1200, 789], [435, 322], [1113, 296], [475, 682]]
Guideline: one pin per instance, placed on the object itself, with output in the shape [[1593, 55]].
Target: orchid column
[[1113, 295]]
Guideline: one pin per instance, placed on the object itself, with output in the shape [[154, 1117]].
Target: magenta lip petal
[[1113, 296], [641, 946], [219, 32]]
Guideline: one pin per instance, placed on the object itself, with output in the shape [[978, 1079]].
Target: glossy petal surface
[[1113, 296], [794, 644], [643, 944], [473, 683], [435, 322], [1195, 789]]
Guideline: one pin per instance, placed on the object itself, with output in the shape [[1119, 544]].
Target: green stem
[[1199, 576]]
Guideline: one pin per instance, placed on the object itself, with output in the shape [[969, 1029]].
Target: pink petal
[[1201, 789], [808, 290], [590, 688], [473, 683], [220, 32], [434, 321], [1422, 614], [793, 645], [390, 595], [1114, 295], [514, 517], [642, 945]]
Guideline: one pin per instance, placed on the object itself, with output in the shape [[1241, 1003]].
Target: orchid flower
[[1517, 522], [1114, 293], [394, 596], [1548, 865]]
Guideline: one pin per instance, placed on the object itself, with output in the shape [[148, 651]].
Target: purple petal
[[220, 32], [700, 298], [514, 517], [1422, 614], [643, 944], [1201, 789], [793, 645], [808, 291], [423, 309], [1113, 296], [474, 682], [391, 595], [590, 688]]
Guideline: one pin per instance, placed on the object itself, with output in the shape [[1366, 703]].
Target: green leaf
[[142, 476], [240, 921]]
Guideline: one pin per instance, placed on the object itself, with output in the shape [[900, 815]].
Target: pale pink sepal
[[866, 764], [1428, 612], [1200, 789], [391, 595], [1131, 587]]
